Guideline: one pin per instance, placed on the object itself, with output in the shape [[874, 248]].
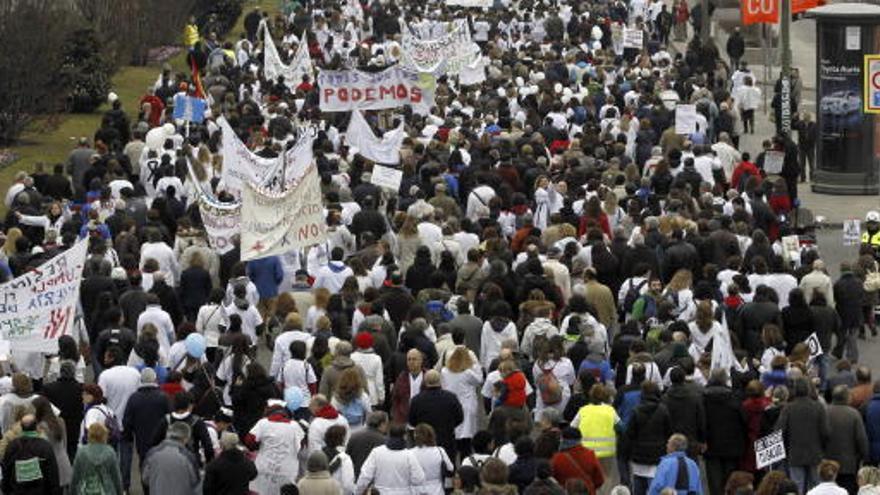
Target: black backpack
[[632, 295]]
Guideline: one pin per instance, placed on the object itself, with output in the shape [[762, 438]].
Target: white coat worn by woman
[[400, 472], [277, 458], [432, 460], [464, 385]]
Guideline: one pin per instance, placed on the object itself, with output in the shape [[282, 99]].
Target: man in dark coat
[[439, 408], [679, 254], [29, 464], [363, 441], [725, 430], [849, 444], [805, 430], [231, 472], [145, 411], [685, 403], [849, 292], [736, 47], [66, 394], [646, 433]]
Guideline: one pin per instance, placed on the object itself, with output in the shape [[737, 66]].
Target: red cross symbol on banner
[[258, 246]]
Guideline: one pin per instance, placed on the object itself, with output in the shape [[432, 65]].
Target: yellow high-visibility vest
[[873, 240], [597, 429]]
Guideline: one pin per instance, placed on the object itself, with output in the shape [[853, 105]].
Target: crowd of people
[[565, 294]]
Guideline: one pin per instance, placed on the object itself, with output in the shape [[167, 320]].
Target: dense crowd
[[566, 294]]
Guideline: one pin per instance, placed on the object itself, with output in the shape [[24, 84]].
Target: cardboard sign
[[386, 177], [852, 232], [773, 161], [769, 450], [633, 38], [686, 119]]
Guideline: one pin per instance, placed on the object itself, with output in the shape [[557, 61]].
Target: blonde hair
[[459, 360], [322, 297], [12, 235], [97, 433], [681, 280]]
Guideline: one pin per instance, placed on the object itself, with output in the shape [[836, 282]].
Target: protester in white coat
[[400, 473], [462, 376]]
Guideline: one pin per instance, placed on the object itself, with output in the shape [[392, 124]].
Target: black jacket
[[361, 444], [440, 409], [145, 412], [685, 404], [27, 448], [200, 439], [726, 427], [66, 395], [647, 431], [195, 288], [849, 292], [132, 303], [249, 401], [230, 473], [736, 46]]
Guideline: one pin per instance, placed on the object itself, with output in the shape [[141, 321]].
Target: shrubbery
[[84, 74]]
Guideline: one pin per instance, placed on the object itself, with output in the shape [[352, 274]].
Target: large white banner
[[475, 73], [469, 3], [274, 224], [448, 54], [380, 150], [274, 67], [241, 166], [222, 222], [347, 90], [40, 306]]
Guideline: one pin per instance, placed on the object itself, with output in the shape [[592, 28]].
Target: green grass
[[49, 139]]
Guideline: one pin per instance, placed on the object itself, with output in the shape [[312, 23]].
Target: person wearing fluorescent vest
[[596, 422], [871, 235]]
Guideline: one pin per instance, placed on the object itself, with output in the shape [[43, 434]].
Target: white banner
[[773, 162], [445, 55], [386, 177], [686, 119], [384, 150], [273, 66], [222, 222], [470, 3], [474, 73], [633, 38], [241, 166], [347, 90], [852, 232], [40, 306], [274, 224]]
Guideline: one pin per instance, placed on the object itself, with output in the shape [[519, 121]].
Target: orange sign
[[767, 11]]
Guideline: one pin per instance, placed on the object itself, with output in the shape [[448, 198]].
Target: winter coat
[[95, 466], [30, 448], [849, 292], [195, 288], [685, 404], [440, 409], [725, 425], [144, 413], [575, 463], [249, 401], [804, 426], [331, 374], [266, 274], [319, 483], [66, 395], [170, 469], [230, 473], [849, 443], [648, 430], [872, 427]]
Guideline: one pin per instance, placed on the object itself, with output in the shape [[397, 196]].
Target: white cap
[[112, 97], [872, 216]]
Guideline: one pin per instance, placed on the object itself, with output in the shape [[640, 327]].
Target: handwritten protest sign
[[814, 345], [769, 449], [633, 38], [685, 119], [852, 232], [773, 161], [386, 177], [347, 90], [447, 54], [38, 307], [273, 224], [222, 221]]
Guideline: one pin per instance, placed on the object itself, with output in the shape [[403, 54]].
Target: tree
[[85, 73]]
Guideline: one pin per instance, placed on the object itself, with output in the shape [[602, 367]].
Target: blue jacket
[[266, 274], [872, 427], [667, 474]]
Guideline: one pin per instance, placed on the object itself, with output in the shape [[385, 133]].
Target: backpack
[[114, 431], [743, 180], [549, 387], [354, 412], [191, 422], [632, 295]]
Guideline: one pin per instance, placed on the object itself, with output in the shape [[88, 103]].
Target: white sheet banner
[[274, 67], [380, 150], [241, 166], [386, 177], [474, 73], [470, 3], [40, 306], [274, 224], [445, 55], [222, 222], [347, 90]]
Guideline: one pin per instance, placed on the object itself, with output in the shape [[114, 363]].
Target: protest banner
[[485, 4], [39, 306], [274, 224], [633, 38], [189, 109], [769, 449], [222, 222], [852, 232], [447, 54], [241, 166], [685, 119], [386, 177], [475, 73], [347, 90], [773, 161], [382, 150], [273, 66]]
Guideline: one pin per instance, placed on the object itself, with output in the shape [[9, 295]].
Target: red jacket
[[400, 398], [741, 169], [602, 223], [578, 462], [516, 389]]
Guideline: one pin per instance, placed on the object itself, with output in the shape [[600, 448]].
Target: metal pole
[[785, 31], [704, 21], [765, 47]]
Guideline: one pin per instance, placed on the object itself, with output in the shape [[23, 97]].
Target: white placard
[[769, 449], [853, 37], [633, 38], [382, 150], [685, 119], [773, 161], [40, 306], [386, 177], [814, 345], [852, 232]]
